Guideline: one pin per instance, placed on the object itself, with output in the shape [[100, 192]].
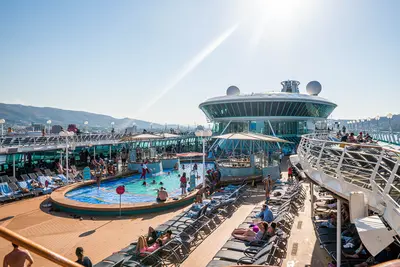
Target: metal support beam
[[14, 166], [66, 160], [273, 133], [338, 233], [312, 199]]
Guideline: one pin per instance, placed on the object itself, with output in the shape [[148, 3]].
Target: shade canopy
[[141, 137], [169, 135], [251, 137], [189, 155]]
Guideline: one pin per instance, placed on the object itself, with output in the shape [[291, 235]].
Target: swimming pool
[[135, 192]]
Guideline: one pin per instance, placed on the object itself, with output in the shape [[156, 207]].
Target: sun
[[271, 17]]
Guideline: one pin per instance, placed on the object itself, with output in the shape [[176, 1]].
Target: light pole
[[203, 134], [86, 125], [2, 121], [49, 123], [362, 125], [112, 128], [377, 123], [66, 134], [369, 123], [390, 116]]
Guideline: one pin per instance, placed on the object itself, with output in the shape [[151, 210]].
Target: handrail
[[313, 138], [392, 263], [344, 168], [36, 248]]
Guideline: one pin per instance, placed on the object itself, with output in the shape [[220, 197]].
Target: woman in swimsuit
[[142, 245], [248, 234]]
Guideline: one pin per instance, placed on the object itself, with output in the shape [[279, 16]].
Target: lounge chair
[[7, 191]]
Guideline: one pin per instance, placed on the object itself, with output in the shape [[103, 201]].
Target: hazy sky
[[157, 60]]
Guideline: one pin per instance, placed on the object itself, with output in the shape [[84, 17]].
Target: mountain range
[[16, 114]]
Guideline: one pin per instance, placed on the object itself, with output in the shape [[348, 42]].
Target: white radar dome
[[232, 90], [313, 88]]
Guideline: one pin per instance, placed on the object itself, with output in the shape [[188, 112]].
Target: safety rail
[[346, 167], [15, 144], [388, 137], [36, 248]]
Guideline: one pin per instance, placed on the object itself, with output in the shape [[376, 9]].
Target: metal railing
[[345, 167], [388, 137], [35, 143]]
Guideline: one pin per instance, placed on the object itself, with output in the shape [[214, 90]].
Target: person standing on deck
[[267, 187], [183, 181], [17, 258], [144, 171]]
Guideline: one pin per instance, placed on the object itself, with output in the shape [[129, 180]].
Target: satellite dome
[[313, 88], [232, 90]]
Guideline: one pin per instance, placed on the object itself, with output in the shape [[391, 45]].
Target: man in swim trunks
[[162, 195], [17, 258]]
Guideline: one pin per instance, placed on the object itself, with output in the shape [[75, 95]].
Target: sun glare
[[272, 18]]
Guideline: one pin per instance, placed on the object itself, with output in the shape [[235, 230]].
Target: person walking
[[17, 258]]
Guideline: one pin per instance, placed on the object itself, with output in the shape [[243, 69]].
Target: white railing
[[37, 143], [343, 168], [388, 137]]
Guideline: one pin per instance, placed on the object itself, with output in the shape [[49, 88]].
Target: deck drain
[[295, 248], [299, 224]]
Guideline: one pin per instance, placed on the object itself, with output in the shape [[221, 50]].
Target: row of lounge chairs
[[13, 189], [327, 235], [271, 250], [190, 229]]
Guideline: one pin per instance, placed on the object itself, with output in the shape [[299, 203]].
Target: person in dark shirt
[[344, 138], [82, 260]]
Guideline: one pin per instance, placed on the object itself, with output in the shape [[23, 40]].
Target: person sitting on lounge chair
[[271, 230], [359, 253], [143, 246], [152, 236], [248, 234]]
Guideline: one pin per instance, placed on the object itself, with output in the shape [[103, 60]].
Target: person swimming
[[161, 183], [144, 183], [153, 182]]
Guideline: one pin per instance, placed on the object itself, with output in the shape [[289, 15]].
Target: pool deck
[[62, 233], [101, 236], [65, 204]]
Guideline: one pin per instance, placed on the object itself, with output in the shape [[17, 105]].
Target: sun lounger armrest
[[257, 243], [245, 260], [249, 252]]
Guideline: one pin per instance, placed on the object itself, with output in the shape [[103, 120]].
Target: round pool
[[135, 191]]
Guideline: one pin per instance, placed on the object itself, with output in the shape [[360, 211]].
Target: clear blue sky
[[157, 60]]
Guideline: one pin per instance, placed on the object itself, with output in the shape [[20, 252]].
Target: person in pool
[[162, 195], [153, 182], [161, 183], [144, 183]]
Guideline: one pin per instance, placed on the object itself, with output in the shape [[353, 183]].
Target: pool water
[[135, 192]]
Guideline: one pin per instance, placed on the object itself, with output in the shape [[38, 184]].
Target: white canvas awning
[[251, 137], [169, 135], [141, 137], [374, 234]]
